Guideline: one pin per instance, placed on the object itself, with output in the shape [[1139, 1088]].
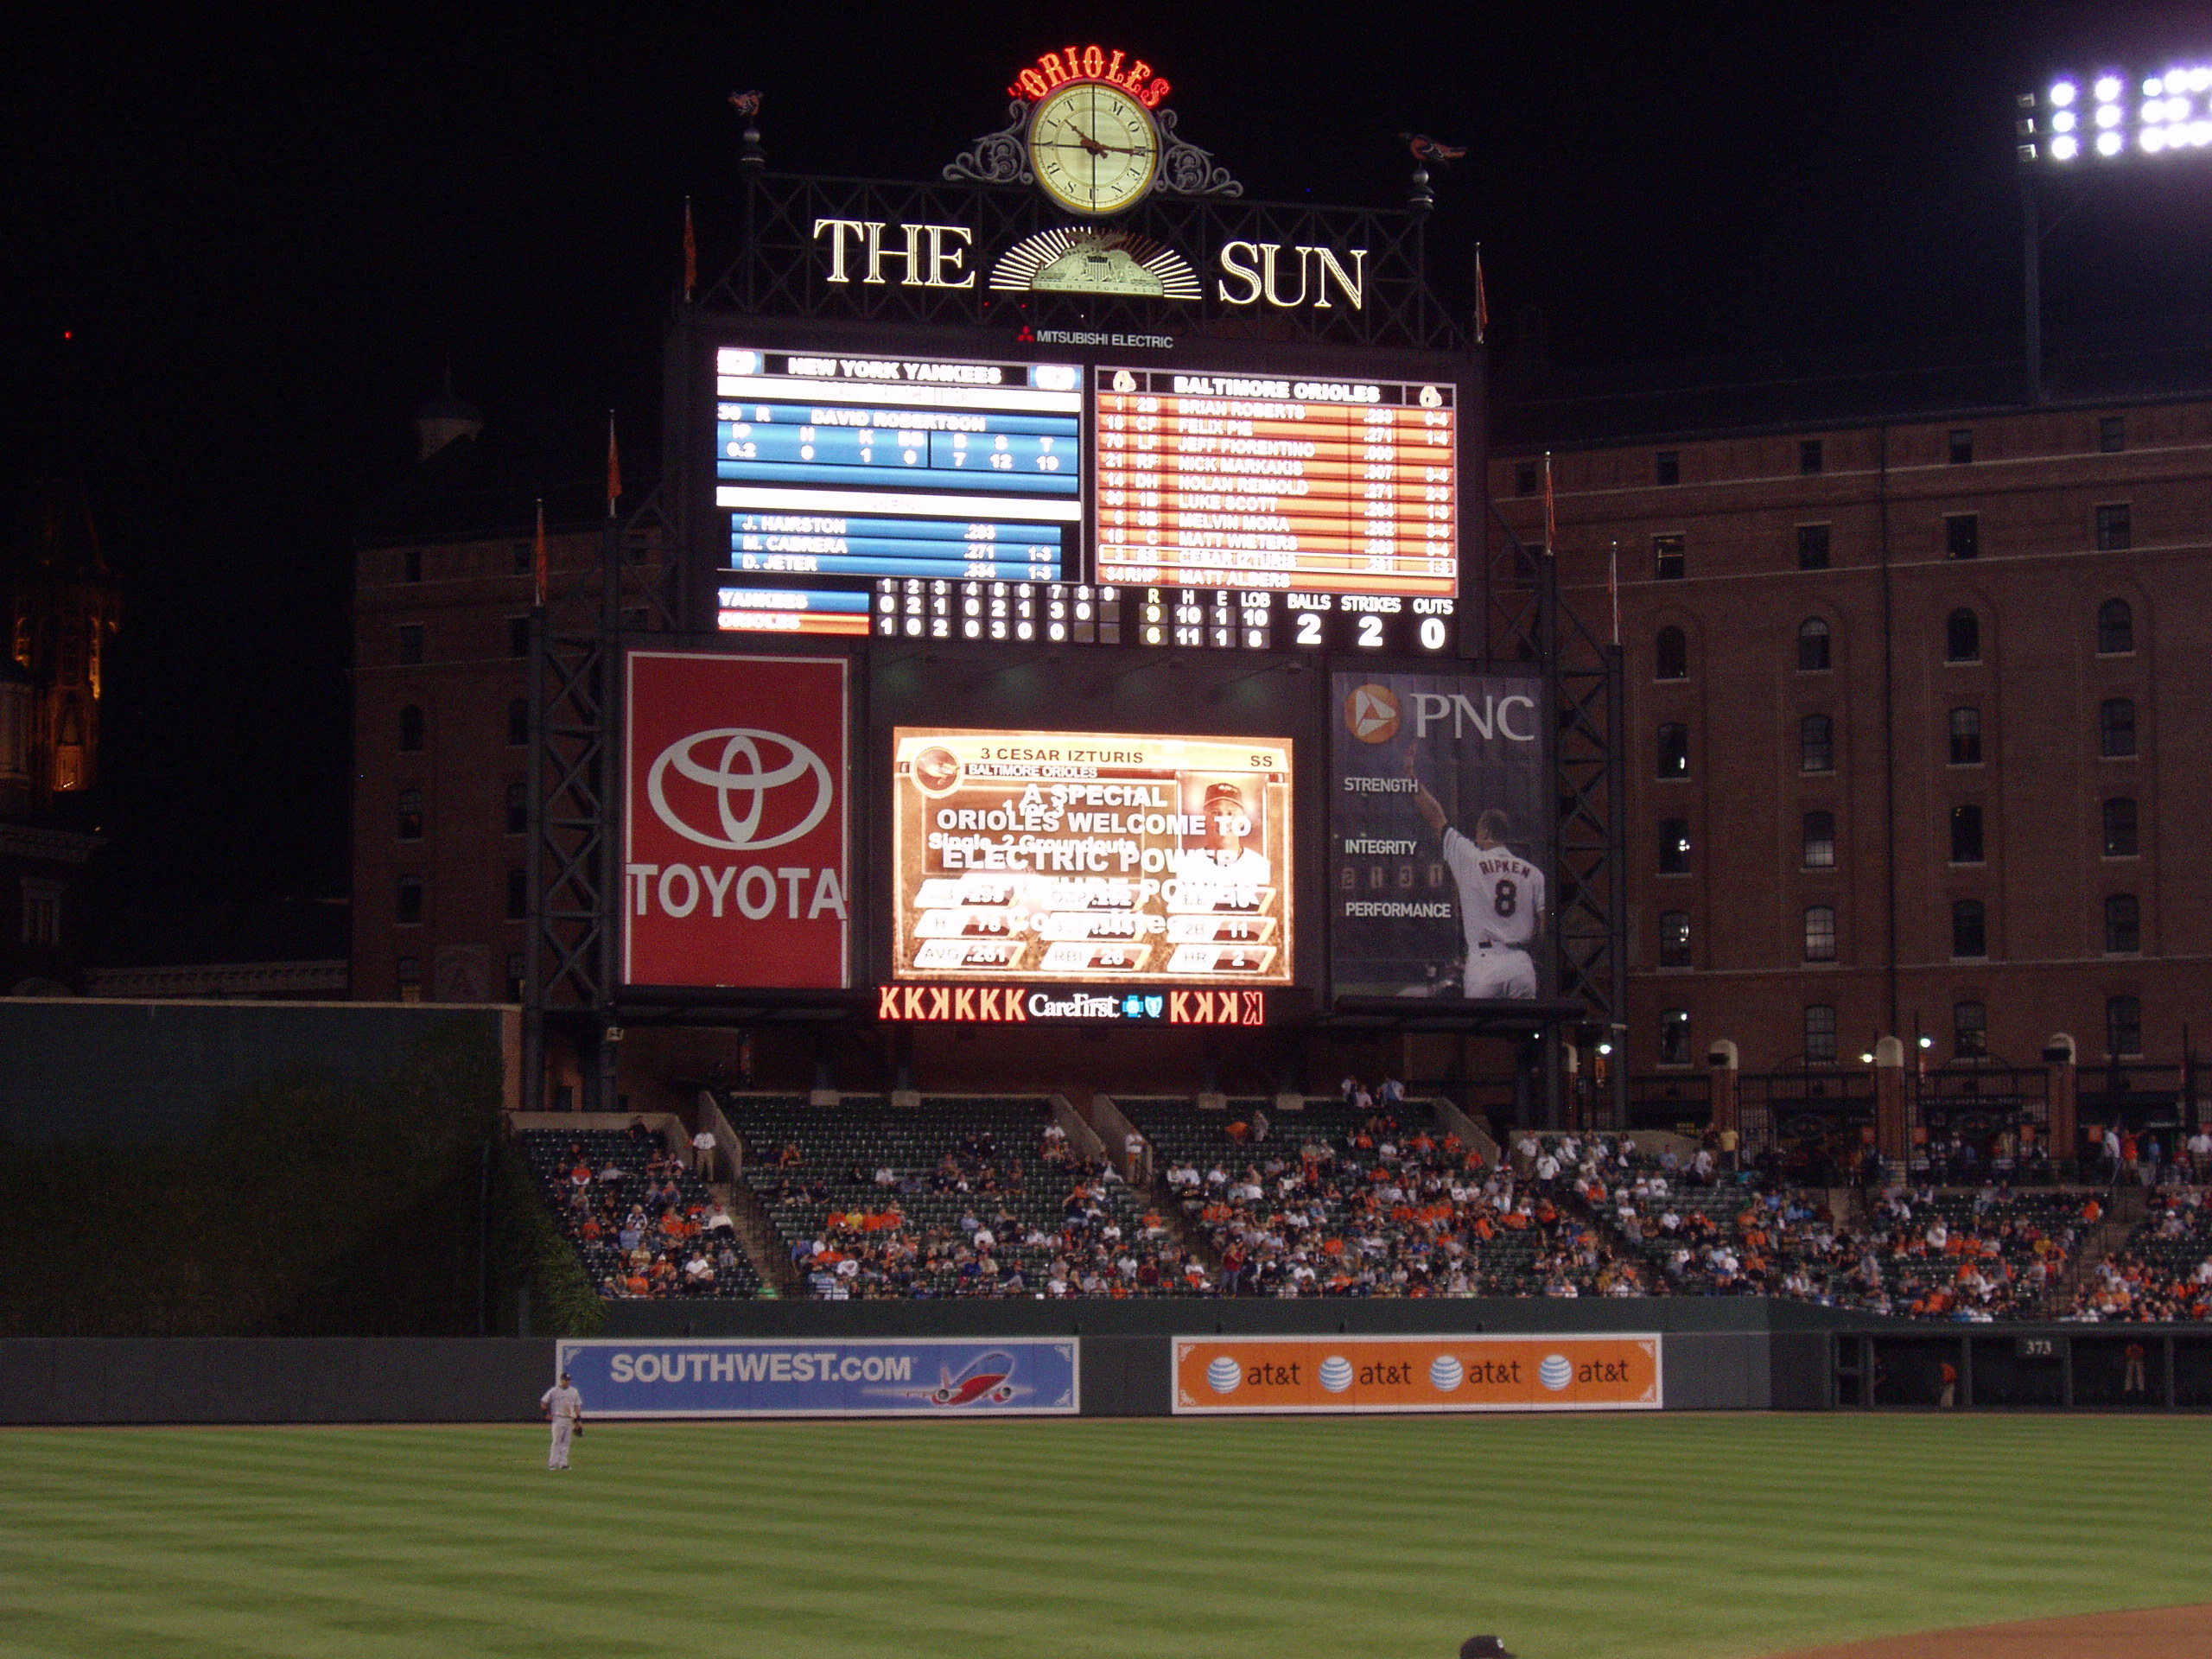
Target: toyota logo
[[740, 771]]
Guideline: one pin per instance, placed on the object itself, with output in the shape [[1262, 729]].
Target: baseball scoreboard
[[1060, 502]]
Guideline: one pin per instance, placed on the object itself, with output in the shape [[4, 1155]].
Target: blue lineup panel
[[870, 468]]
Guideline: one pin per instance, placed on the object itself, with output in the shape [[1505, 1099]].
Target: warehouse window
[[1670, 655], [1962, 535], [411, 728], [1819, 830], [2120, 828], [2115, 628], [407, 910], [518, 894], [41, 905], [1524, 478], [1674, 750], [1674, 1037], [1820, 933], [1817, 744], [517, 971], [1668, 558], [410, 976], [1811, 547], [1962, 636], [1812, 646], [522, 556], [2116, 728], [517, 636], [1674, 846], [411, 565], [1819, 1031], [2123, 925], [2123, 1027], [1666, 467], [1969, 1029], [411, 814], [518, 723], [1966, 737], [2115, 534], [1811, 457], [1675, 938], [1966, 833], [410, 642], [1961, 446], [1969, 928], [2112, 433]]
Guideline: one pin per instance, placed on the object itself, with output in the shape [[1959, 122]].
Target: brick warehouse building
[[1916, 718]]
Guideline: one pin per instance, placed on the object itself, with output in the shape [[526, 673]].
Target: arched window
[[1675, 938], [407, 909], [1966, 737], [411, 814], [1969, 1029], [410, 979], [1674, 846], [1674, 1037], [1817, 744], [1820, 933], [2123, 1027], [1674, 750], [1969, 928], [518, 722], [2120, 838], [1819, 1031], [2115, 628], [1820, 841], [2116, 727], [1966, 833], [1812, 646], [1670, 655], [411, 728], [2123, 925], [1962, 637]]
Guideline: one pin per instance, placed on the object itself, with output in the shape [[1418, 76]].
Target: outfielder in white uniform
[[564, 1409], [1501, 902]]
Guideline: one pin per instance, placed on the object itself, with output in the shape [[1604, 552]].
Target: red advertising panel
[[735, 866]]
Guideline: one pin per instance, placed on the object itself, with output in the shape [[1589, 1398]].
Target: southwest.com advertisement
[[1438, 836], [1420, 1373], [1090, 857], [914, 1377]]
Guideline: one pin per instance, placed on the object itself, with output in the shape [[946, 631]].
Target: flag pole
[[539, 563], [1613, 587], [1551, 519], [613, 467]]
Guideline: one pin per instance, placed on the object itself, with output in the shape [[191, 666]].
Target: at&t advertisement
[[1438, 836], [1090, 857]]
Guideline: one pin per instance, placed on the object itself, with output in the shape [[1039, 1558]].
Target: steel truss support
[[1526, 622], [574, 873]]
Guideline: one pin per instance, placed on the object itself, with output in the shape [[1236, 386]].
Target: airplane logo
[[985, 1380], [1371, 713]]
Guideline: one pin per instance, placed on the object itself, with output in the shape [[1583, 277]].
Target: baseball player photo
[[564, 1409], [1222, 860], [1500, 901]]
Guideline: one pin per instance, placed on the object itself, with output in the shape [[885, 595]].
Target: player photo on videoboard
[[1437, 836], [1091, 857]]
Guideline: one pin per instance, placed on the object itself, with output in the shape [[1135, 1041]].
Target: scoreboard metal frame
[[852, 559]]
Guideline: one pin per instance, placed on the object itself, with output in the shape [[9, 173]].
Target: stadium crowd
[[2163, 1272], [644, 1227]]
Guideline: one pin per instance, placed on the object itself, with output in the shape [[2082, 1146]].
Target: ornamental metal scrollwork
[[998, 157], [1186, 170]]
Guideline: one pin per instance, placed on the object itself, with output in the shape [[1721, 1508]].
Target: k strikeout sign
[[735, 861]]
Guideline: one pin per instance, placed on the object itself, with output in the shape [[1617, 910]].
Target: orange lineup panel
[[1429, 1374]]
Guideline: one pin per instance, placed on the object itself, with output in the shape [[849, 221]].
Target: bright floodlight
[[2153, 86], [2108, 143], [2061, 94], [2107, 114], [2062, 122], [2107, 88], [2154, 140], [2064, 150]]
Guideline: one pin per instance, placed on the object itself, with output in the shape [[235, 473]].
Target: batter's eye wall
[[1155, 693]]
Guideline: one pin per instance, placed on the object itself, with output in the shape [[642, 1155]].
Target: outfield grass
[[1375, 1538]]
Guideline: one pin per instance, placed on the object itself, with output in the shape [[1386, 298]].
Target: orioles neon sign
[[1022, 1005], [1090, 63]]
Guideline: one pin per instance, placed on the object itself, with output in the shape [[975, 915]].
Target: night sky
[[269, 235]]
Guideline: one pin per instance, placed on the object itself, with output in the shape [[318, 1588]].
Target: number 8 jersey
[[1500, 894]]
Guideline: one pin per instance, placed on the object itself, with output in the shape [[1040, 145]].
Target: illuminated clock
[[1093, 147]]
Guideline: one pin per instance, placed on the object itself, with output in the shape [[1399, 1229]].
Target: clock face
[[1093, 148]]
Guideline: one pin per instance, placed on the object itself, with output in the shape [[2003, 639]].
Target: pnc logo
[[739, 772], [1371, 713]]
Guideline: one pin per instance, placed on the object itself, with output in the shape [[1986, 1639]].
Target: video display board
[[842, 466], [1440, 811], [1038, 857], [1255, 482]]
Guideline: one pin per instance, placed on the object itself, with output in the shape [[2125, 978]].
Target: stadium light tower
[[2087, 127]]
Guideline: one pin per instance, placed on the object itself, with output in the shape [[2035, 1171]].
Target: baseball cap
[[1483, 1647]]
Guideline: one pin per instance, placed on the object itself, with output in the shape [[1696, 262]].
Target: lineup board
[[1240, 483]]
